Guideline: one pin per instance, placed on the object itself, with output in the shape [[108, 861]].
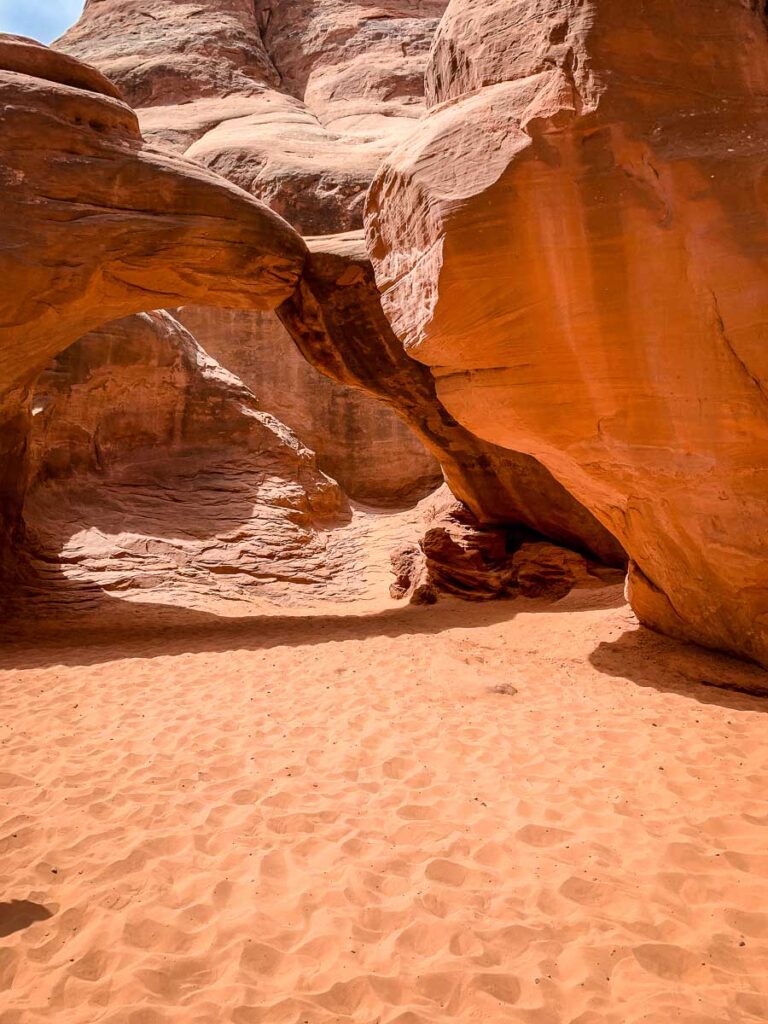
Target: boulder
[[459, 557]]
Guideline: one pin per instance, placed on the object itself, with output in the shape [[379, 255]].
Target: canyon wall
[[567, 232], [574, 242]]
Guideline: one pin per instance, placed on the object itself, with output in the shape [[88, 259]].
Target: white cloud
[[40, 19]]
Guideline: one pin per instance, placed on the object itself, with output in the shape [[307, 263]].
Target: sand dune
[[378, 815]]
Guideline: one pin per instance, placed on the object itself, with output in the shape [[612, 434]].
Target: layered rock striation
[[152, 468]]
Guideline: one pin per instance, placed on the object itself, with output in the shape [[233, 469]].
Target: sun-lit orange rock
[[575, 242], [336, 319], [297, 102], [96, 225]]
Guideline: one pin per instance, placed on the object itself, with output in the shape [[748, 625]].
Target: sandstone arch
[[98, 225]]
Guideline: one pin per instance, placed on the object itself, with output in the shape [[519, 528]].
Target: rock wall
[[152, 468], [97, 224], [360, 442], [574, 241]]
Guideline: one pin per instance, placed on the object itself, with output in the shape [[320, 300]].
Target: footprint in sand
[[447, 872], [398, 767], [673, 963], [542, 835], [415, 812]]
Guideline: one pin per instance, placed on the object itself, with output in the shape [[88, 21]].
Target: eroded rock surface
[[97, 225], [175, 52], [152, 468], [574, 241], [360, 442], [336, 319], [296, 102]]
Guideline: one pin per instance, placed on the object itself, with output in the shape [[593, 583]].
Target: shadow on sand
[[661, 663], [111, 629], [16, 915], [123, 629]]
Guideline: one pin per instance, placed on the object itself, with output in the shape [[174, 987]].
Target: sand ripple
[[355, 819]]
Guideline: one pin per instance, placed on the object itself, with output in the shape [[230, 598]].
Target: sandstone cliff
[[297, 102], [574, 241]]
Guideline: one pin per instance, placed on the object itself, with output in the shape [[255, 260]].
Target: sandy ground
[[514, 812]]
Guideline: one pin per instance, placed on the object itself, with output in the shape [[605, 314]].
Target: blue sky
[[40, 19]]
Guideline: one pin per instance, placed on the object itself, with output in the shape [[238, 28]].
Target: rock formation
[[336, 319], [297, 103], [460, 557], [360, 442], [97, 225], [257, 260], [574, 242], [79, 247], [151, 467]]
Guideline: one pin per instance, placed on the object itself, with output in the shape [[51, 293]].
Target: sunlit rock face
[[296, 102], [97, 225], [151, 467], [74, 164], [574, 241]]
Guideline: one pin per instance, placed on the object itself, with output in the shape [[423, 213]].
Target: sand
[[516, 812]]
